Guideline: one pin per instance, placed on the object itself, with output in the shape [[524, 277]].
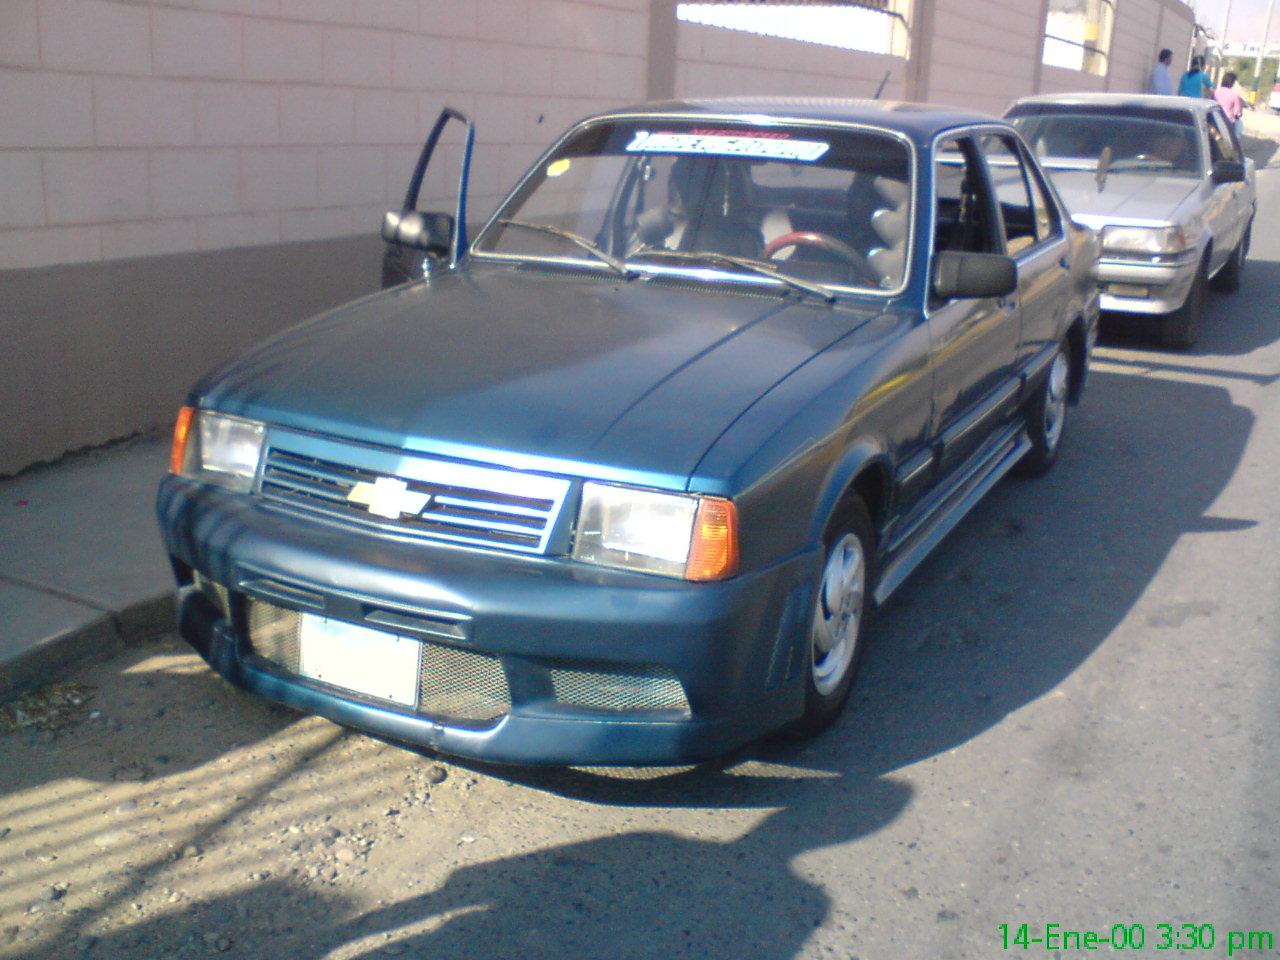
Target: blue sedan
[[620, 480]]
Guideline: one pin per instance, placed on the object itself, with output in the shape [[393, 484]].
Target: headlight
[[1145, 241], [215, 448], [671, 534]]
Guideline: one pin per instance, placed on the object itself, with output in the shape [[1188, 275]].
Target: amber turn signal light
[[714, 553], [181, 431]]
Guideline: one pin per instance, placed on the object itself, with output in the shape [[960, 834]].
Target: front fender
[[867, 454]]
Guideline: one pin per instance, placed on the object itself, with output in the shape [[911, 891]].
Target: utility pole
[[1262, 50], [1222, 43]]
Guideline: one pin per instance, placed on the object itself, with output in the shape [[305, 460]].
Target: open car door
[[417, 240]]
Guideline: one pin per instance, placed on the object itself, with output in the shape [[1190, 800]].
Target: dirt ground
[[151, 810]]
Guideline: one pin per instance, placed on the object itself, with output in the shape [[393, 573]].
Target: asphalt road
[[1067, 716]]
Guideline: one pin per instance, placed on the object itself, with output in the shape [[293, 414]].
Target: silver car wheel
[[1055, 402], [838, 618]]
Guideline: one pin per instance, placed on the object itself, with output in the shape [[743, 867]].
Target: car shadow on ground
[[639, 894], [1021, 594]]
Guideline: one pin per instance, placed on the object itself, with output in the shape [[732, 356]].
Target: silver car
[[1166, 183]]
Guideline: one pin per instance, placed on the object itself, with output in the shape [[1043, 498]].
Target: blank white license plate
[[366, 661]]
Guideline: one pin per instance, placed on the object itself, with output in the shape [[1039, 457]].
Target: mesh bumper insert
[[453, 684], [606, 691]]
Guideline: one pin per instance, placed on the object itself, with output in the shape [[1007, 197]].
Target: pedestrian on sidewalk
[[1228, 96], [1195, 82], [1161, 80]]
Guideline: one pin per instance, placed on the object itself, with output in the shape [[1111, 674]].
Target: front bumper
[[736, 647], [1146, 288]]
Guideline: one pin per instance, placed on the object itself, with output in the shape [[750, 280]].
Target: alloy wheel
[[1055, 402], [838, 617]]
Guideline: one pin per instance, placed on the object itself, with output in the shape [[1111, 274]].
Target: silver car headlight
[[670, 534], [1145, 242], [218, 449]]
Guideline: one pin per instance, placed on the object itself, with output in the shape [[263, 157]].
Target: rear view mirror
[[973, 276], [432, 232], [1228, 171]]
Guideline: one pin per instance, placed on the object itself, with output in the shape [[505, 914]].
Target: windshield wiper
[[616, 264], [743, 263]]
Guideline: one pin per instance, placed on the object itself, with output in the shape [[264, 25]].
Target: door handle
[[1065, 263]]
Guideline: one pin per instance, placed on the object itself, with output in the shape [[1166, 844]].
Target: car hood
[[1124, 196], [537, 368]]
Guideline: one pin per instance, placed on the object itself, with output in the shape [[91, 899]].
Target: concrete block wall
[[134, 129], [1058, 80], [1174, 30], [1135, 42], [182, 178], [1143, 28], [982, 56], [986, 54]]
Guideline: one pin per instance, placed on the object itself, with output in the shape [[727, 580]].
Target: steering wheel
[[824, 243]]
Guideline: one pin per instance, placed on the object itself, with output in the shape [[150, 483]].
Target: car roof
[[919, 121], [1139, 101]]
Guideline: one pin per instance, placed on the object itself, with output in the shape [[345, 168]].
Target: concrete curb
[[54, 657]]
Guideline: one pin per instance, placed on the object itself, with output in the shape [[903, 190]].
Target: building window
[[869, 26], [1077, 35]]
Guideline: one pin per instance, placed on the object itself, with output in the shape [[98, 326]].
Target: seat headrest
[[895, 192], [890, 226]]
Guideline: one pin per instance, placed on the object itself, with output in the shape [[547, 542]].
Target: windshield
[[819, 206], [1149, 140]]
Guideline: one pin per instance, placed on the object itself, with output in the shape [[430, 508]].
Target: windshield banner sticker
[[727, 144]]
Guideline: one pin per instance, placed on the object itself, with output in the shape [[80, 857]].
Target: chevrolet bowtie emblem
[[389, 497]]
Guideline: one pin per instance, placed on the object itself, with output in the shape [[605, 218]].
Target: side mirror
[[1229, 171], [973, 276], [431, 232]]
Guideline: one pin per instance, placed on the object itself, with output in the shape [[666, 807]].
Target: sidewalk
[[82, 572]]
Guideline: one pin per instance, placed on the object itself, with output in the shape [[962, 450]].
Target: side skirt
[[947, 508]]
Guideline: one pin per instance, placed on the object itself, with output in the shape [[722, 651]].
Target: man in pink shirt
[[1232, 103]]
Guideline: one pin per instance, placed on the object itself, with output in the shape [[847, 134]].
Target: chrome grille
[[274, 634], [614, 692], [453, 684], [456, 684], [464, 503]]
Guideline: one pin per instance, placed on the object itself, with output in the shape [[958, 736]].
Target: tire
[[838, 628], [1181, 329], [1046, 417], [1228, 280]]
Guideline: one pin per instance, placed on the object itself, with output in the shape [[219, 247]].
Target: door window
[[963, 221], [1009, 180], [1222, 142], [1048, 225]]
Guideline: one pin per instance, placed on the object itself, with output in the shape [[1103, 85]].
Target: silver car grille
[[464, 503]]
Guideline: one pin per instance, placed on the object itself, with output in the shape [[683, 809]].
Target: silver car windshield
[[830, 207], [1155, 141]]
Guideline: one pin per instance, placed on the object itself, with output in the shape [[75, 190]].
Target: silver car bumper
[[1130, 286]]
